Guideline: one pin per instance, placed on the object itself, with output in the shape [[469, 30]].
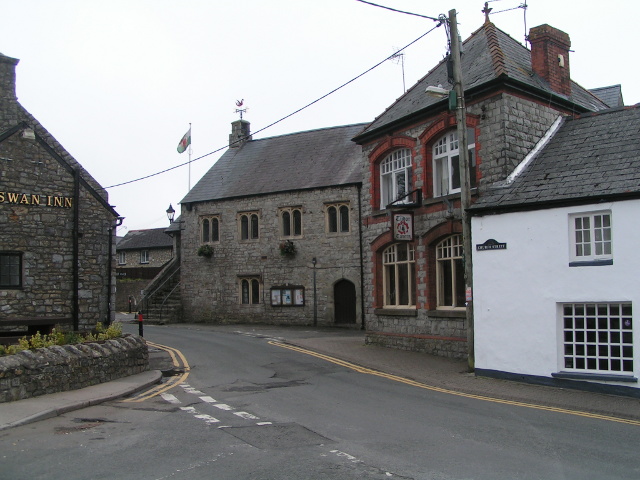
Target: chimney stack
[[550, 57], [240, 133], [8, 77]]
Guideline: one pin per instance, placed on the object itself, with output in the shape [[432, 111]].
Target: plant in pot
[[287, 248], [205, 250]]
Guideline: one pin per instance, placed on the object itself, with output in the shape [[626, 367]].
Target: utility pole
[[465, 184]]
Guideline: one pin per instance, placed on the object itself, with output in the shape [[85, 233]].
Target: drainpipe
[[75, 235], [361, 256]]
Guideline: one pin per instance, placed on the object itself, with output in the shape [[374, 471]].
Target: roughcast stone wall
[[61, 368]]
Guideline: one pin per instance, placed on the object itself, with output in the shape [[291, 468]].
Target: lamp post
[[171, 213]]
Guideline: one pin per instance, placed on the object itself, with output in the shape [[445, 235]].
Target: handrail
[[162, 278], [166, 297]]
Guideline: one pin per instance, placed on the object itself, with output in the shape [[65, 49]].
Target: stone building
[[58, 229], [271, 233], [141, 255], [415, 287]]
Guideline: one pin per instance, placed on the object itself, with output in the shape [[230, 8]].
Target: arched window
[[395, 177], [446, 163], [205, 230], [398, 275], [291, 222], [450, 273], [209, 229], [337, 218], [249, 291], [248, 226]]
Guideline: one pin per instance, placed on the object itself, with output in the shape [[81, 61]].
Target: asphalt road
[[248, 408]]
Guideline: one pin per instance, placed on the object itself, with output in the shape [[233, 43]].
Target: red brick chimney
[[550, 57]]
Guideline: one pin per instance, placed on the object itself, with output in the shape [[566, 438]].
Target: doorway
[[344, 297]]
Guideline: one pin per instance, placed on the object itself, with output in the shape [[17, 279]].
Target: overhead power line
[[286, 116], [398, 11]]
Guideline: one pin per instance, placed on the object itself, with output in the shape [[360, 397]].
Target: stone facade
[[211, 287], [51, 211], [31, 373]]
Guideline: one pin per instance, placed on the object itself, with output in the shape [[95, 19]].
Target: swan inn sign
[[56, 201]]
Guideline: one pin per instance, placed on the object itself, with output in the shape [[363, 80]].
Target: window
[[598, 337], [210, 229], [446, 163], [122, 258], [248, 226], [398, 275], [10, 269], [591, 238], [250, 291], [144, 256], [337, 218], [395, 177], [450, 273], [291, 222]]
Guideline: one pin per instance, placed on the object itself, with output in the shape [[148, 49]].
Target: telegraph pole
[[465, 184]]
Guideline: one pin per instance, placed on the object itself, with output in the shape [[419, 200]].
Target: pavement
[[347, 345]]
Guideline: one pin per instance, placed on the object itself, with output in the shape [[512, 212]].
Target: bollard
[[129, 304], [140, 323]]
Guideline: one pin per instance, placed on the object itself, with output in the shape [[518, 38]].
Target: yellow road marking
[[414, 383], [178, 360]]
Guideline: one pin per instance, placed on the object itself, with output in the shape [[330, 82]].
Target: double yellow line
[[179, 361], [413, 383]]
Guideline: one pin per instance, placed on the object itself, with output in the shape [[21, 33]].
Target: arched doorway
[[344, 298]]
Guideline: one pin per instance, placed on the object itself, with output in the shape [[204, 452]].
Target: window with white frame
[[395, 177], [446, 163], [337, 217], [210, 229], [144, 256], [249, 290], [590, 235], [597, 337], [248, 224], [290, 222], [10, 269], [122, 258], [398, 275], [450, 273]]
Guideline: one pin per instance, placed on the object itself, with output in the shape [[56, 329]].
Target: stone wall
[[211, 286], [31, 373]]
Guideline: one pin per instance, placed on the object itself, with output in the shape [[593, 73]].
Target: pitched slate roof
[[297, 161], [151, 238], [591, 158], [489, 55], [611, 95]]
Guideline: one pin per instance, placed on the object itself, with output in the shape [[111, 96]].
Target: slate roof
[[143, 239], [297, 161], [595, 157], [611, 95], [489, 55]]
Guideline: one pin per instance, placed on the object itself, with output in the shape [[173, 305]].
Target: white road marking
[[208, 399], [170, 398], [189, 409], [207, 418], [264, 423], [223, 406], [245, 415]]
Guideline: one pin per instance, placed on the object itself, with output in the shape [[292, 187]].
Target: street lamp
[[171, 213]]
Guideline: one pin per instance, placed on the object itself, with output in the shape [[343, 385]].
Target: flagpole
[[189, 161]]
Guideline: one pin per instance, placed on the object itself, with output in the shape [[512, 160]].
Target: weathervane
[[486, 10], [240, 110]]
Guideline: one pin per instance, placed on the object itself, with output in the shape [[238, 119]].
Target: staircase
[[162, 302]]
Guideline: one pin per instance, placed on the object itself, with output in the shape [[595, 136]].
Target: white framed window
[[290, 222], [10, 270], [590, 235], [248, 225], [122, 258], [398, 275], [210, 229], [450, 273], [249, 290], [337, 217], [446, 163], [144, 256], [395, 177], [597, 337]]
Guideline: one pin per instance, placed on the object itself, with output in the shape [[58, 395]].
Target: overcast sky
[[118, 82]]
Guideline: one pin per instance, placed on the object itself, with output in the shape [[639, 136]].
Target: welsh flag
[[185, 142]]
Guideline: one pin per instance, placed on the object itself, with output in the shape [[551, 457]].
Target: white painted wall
[[517, 290]]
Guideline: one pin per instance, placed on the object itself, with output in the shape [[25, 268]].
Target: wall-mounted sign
[[287, 296], [56, 201], [402, 225], [491, 244]]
